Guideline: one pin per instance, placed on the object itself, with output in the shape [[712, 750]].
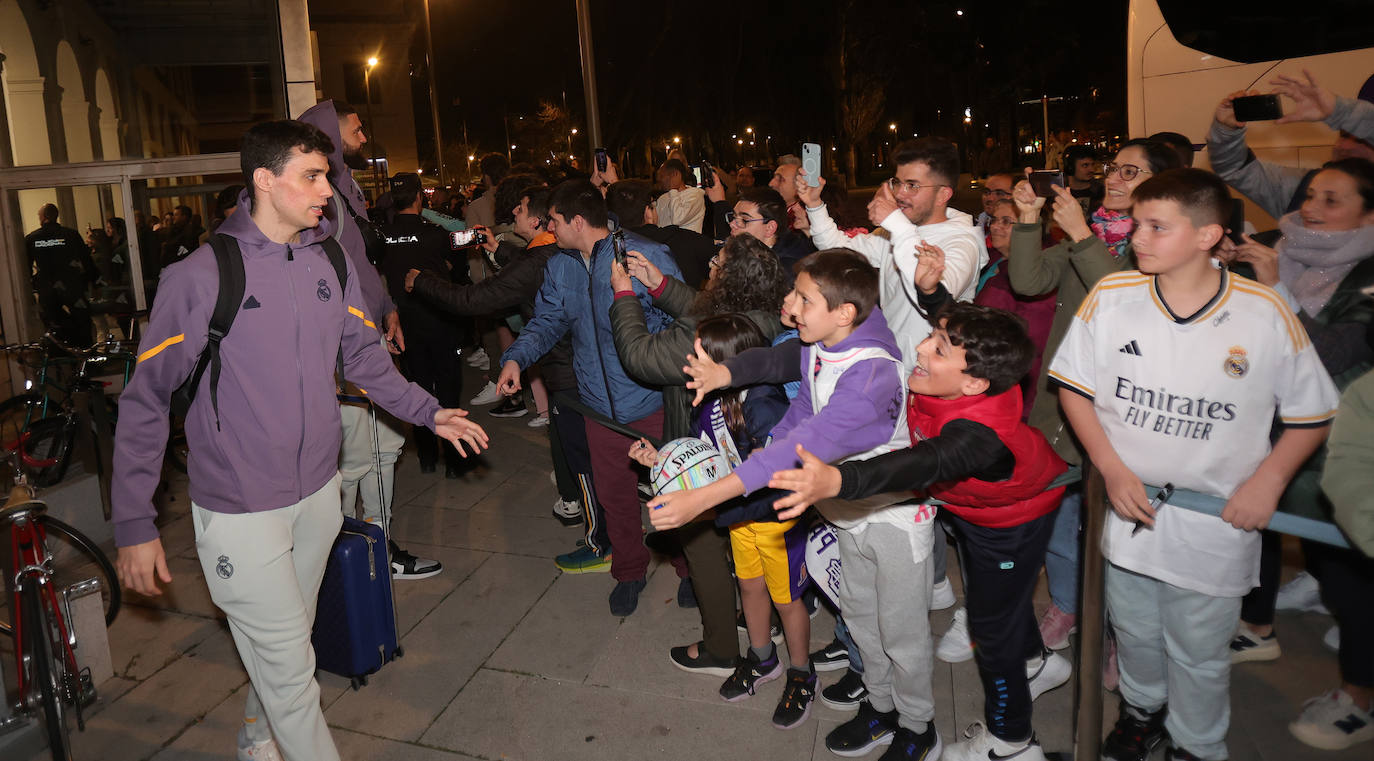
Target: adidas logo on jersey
[[1132, 348]]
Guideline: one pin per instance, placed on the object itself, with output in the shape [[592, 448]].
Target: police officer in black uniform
[[432, 336], [63, 273]]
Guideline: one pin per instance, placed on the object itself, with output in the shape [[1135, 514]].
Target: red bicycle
[[47, 556]]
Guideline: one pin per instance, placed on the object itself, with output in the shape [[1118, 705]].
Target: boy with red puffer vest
[[974, 453]]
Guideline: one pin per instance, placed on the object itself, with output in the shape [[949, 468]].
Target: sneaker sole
[[606, 568], [840, 706], [839, 665], [710, 670], [521, 413], [865, 749], [1313, 736], [766, 678], [1038, 690], [568, 520], [967, 655], [1256, 655], [398, 576]]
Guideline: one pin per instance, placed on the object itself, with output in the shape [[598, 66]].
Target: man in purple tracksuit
[[264, 456]]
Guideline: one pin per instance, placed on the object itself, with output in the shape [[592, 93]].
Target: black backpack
[[232, 284]]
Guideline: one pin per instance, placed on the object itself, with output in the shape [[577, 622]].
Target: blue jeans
[[1061, 560], [856, 664]]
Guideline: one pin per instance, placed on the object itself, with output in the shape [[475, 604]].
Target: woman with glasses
[[1095, 245], [745, 278]]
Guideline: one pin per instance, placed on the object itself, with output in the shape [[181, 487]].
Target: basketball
[[686, 463]]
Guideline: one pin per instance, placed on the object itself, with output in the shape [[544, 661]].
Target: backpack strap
[[231, 287], [336, 255]]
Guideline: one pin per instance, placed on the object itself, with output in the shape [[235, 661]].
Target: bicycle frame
[[32, 564]]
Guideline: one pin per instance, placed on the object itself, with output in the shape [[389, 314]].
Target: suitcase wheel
[[358, 681], [399, 652]]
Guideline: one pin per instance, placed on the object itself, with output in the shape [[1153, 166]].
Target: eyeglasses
[[997, 193], [735, 218], [910, 186], [1002, 221], [1128, 171]]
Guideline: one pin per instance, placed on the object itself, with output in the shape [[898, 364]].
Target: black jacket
[[515, 285], [63, 270], [691, 250], [412, 243]]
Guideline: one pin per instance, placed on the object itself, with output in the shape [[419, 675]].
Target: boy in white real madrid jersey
[[1173, 374]]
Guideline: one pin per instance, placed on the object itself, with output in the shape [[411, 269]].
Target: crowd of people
[[848, 371]]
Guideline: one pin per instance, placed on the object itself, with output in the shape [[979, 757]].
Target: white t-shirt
[[1190, 401]]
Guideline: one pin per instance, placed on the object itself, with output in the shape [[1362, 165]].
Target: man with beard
[[357, 464]]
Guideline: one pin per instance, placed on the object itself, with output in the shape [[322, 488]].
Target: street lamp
[[371, 125], [434, 100]]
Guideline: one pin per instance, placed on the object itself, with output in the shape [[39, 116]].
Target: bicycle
[[53, 412], [50, 681]]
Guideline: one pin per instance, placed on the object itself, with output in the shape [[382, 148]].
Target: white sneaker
[[567, 511], [488, 395], [1302, 593], [1332, 639], [1048, 671], [942, 595], [980, 745], [1248, 646], [1333, 722], [479, 359], [956, 646], [539, 421]]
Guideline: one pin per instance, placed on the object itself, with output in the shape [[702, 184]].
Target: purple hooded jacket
[[279, 435], [862, 412], [378, 302]]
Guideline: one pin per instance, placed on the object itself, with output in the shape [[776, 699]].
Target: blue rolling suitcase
[[355, 620]]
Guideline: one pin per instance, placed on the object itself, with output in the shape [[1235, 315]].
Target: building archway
[[76, 127], [23, 93]]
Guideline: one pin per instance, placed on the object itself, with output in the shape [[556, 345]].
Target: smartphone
[[1235, 226], [811, 162], [708, 175], [696, 175], [601, 160], [618, 248], [465, 238], [1257, 108], [1041, 181]]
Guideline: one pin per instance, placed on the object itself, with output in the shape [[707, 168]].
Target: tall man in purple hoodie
[[264, 448], [357, 466]]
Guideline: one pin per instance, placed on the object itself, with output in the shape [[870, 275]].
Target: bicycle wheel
[[76, 558], [47, 672]]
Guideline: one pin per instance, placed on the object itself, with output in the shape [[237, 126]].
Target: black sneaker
[[797, 696], [846, 694], [1134, 738], [909, 746], [625, 597], [862, 733], [703, 663], [513, 406], [408, 567], [832, 657], [774, 630], [749, 674]]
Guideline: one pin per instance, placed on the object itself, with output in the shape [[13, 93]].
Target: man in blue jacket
[[576, 296], [264, 448]]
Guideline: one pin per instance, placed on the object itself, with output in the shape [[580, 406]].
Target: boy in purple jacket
[[264, 447], [852, 406]]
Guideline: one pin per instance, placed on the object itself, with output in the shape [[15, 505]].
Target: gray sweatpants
[[357, 465], [885, 601], [264, 571], [1173, 646]]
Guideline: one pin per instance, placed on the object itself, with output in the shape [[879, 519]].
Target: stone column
[[297, 60]]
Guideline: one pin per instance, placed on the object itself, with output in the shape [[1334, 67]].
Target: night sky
[[706, 69]]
